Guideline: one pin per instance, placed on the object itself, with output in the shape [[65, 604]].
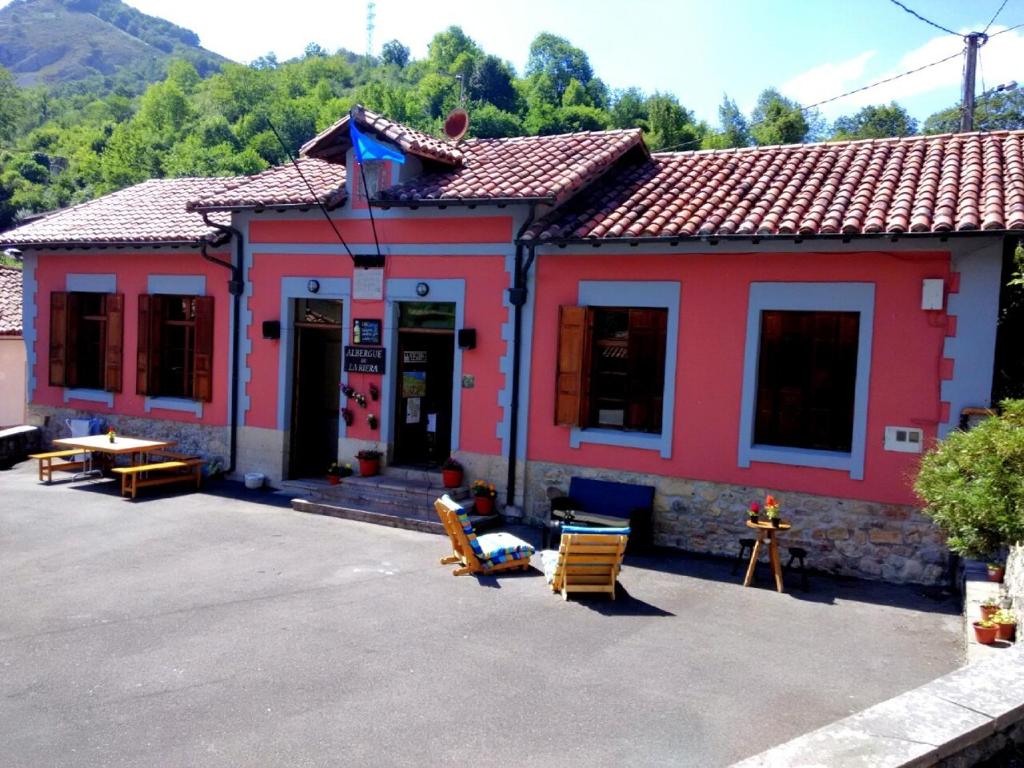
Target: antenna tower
[[371, 15]]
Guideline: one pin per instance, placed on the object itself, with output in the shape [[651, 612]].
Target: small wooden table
[[101, 444], [766, 531]]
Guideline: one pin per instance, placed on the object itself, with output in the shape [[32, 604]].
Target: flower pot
[[334, 479], [776, 522], [753, 518], [452, 478], [484, 505], [987, 611], [995, 574], [369, 467], [985, 635], [1005, 631]]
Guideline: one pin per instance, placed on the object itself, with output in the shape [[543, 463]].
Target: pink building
[[800, 320]]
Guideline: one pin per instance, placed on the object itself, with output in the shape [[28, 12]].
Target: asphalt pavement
[[224, 629]]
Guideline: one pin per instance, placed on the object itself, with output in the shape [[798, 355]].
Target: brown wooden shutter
[[142, 363], [646, 387], [58, 338], [202, 361], [113, 307], [573, 382]]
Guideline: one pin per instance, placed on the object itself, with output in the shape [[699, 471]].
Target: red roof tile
[[333, 142], [280, 185], [921, 184], [150, 212], [10, 301], [540, 167]]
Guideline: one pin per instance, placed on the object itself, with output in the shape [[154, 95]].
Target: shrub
[[972, 484]]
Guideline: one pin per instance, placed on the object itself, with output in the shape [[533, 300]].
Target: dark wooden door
[[423, 402]]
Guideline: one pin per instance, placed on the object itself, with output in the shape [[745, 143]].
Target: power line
[[996, 15], [835, 98], [917, 15], [1003, 31]]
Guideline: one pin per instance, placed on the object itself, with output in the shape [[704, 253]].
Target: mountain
[[90, 43]]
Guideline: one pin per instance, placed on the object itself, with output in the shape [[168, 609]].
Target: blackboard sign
[[364, 359], [366, 332]]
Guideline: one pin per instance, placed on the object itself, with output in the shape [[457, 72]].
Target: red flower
[[770, 501], [755, 507]]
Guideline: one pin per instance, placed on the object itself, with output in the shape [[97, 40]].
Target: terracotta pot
[[369, 467], [996, 574], [1005, 631], [484, 505], [987, 611], [334, 479], [452, 478], [985, 635]]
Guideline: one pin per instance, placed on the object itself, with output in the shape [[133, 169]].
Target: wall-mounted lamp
[[271, 329], [467, 338], [422, 289], [313, 286]]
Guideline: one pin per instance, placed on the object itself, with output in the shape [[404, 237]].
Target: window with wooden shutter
[[113, 307], [572, 382], [142, 362], [807, 366], [611, 367], [175, 356], [58, 338], [202, 365]]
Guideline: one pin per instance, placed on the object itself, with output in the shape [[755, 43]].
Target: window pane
[[177, 347], [89, 340], [426, 314], [805, 383], [318, 311]]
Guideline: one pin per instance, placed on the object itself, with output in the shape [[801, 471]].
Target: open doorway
[[423, 383], [316, 376]]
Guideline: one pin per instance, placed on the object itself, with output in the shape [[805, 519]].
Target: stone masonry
[[849, 537]]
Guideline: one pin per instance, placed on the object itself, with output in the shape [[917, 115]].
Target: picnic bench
[[607, 504], [173, 468], [47, 467]]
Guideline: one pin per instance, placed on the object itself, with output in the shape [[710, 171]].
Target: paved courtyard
[[224, 629]]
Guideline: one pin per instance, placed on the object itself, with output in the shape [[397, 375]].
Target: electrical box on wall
[[904, 439], [932, 293]]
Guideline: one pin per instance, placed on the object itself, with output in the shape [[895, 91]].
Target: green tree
[[561, 61], [492, 82], [671, 124], [875, 122], [1000, 111], [445, 47], [778, 120], [576, 95], [629, 109], [395, 53], [11, 106], [488, 122], [735, 130]]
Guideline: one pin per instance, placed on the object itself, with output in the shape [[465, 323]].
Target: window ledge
[[175, 404], [93, 395], [647, 441], [805, 457]]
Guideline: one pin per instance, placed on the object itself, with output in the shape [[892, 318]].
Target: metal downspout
[[517, 295], [236, 286]]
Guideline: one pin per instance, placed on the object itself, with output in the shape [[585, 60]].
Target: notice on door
[[412, 410], [364, 359], [414, 384]]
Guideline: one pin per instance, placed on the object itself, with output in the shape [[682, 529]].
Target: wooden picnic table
[[135, 447], [766, 532]]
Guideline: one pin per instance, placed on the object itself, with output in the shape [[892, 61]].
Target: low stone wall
[[842, 536], [199, 439], [1013, 581]]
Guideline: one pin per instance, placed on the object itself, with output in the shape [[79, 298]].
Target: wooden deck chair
[[489, 553], [588, 560]]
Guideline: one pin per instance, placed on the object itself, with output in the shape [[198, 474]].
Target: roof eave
[[260, 207], [754, 239], [118, 244], [466, 202]]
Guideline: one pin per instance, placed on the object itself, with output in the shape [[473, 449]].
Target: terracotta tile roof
[[280, 185], [150, 212], [542, 167], [333, 142], [923, 184], [10, 301]]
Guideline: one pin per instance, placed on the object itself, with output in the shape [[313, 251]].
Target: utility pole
[[974, 41]]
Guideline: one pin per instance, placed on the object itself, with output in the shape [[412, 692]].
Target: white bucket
[[254, 479]]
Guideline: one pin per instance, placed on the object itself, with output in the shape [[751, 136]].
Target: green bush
[[972, 484]]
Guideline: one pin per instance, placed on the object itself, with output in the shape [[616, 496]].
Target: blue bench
[[603, 503]]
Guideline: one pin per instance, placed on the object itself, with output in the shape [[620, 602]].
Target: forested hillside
[[61, 148]]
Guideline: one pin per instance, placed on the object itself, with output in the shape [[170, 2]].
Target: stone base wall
[[210, 442], [842, 536], [1013, 581]]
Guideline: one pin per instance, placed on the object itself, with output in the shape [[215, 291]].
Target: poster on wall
[[366, 332], [412, 410], [414, 383]]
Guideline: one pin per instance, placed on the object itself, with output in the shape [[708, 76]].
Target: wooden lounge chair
[[490, 553], [587, 560]]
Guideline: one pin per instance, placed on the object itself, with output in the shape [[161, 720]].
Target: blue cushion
[[587, 529]]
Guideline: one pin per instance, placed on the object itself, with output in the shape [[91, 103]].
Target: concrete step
[[422, 519]]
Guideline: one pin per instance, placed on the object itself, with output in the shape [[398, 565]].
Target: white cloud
[[825, 80]]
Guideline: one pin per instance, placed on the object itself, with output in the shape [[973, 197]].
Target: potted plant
[[996, 571], [369, 462], [334, 473], [771, 511], [451, 473], [484, 495], [985, 631], [755, 510], [1006, 625], [989, 608]]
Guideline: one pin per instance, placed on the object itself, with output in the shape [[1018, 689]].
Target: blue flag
[[370, 149]]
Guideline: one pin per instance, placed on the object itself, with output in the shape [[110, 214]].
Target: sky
[[699, 50]]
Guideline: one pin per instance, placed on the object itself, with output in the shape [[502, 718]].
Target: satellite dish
[[456, 124]]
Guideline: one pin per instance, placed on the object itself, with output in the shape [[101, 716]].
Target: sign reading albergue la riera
[[364, 359]]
